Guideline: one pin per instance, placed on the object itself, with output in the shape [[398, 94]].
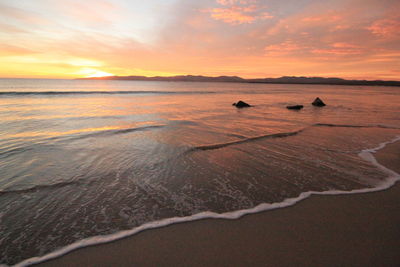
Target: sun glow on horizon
[[93, 73], [246, 38]]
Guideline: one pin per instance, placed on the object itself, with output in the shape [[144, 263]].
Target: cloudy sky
[[249, 38]]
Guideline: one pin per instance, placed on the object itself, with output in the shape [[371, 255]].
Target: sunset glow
[[88, 73], [358, 39]]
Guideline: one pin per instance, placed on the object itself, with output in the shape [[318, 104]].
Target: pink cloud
[[340, 27], [339, 49], [325, 18], [233, 15], [89, 11], [226, 2], [282, 49], [299, 49], [386, 27], [235, 2], [345, 46], [300, 22], [236, 12]]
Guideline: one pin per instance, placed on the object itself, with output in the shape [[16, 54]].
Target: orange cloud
[[11, 50]]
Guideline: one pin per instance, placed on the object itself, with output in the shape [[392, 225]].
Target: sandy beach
[[342, 230]]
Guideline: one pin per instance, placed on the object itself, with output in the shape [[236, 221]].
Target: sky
[[353, 39]]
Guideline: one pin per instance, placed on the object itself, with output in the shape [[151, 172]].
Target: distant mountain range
[[281, 80]]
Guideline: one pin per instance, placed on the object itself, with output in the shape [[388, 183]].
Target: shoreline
[[276, 237]]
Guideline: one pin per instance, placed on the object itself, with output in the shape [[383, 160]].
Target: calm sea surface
[[86, 158]]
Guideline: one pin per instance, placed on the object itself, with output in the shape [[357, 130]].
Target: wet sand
[[341, 230]]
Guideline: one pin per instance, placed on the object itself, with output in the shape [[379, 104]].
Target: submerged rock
[[241, 104], [318, 102], [297, 107]]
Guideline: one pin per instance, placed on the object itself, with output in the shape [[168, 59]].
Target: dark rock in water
[[318, 102], [297, 107], [241, 104]]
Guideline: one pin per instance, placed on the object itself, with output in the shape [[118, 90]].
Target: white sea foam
[[366, 154]]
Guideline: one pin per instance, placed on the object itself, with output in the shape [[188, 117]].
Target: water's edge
[[366, 154]]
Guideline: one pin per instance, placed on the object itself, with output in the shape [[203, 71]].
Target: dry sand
[[341, 230]]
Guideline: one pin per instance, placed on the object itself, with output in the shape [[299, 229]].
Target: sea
[[84, 162]]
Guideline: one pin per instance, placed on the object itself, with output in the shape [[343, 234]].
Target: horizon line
[[198, 75]]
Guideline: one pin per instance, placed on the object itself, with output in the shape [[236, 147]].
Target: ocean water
[[89, 161]]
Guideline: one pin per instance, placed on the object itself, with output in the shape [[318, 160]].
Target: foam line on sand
[[367, 154]]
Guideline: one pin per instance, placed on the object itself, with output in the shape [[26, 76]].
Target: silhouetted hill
[[283, 80], [321, 80]]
